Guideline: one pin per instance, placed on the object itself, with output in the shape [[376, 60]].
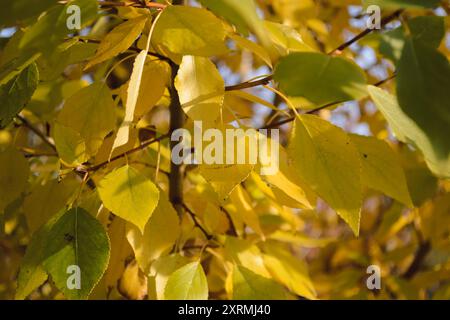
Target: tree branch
[[176, 122]]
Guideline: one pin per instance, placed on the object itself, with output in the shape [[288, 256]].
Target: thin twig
[[197, 224], [149, 5], [313, 111], [364, 33], [125, 154], [249, 84], [36, 131], [132, 48]]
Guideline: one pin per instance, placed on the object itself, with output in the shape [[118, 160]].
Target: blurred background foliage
[[411, 246]]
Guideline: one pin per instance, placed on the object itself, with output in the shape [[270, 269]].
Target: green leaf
[[243, 14], [50, 30], [423, 84], [47, 200], [188, 31], [394, 4], [381, 168], [118, 40], [251, 286], [16, 94], [13, 176], [187, 283], [76, 239], [31, 273], [153, 243], [428, 29], [15, 66], [406, 130], [90, 113], [200, 87], [320, 78], [327, 160], [19, 10], [130, 195]]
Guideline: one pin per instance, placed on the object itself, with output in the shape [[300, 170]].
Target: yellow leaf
[[189, 31], [118, 40], [245, 253], [160, 271], [244, 208], [224, 178], [253, 47], [327, 160], [381, 168], [251, 286], [200, 87], [160, 234], [123, 134], [289, 270], [71, 147], [286, 180], [130, 195], [120, 253], [90, 113], [187, 283]]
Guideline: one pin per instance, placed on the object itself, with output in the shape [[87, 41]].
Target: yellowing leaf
[[71, 147], [189, 31], [250, 286], [253, 47], [224, 178], [130, 195], [118, 40], [155, 78], [200, 87], [289, 270], [13, 176], [242, 13], [327, 160], [90, 113], [160, 234], [123, 134], [381, 169], [286, 38], [187, 283], [245, 253], [160, 272], [244, 208], [121, 252], [288, 182]]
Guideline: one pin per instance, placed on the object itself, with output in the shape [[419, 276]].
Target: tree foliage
[[87, 177]]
